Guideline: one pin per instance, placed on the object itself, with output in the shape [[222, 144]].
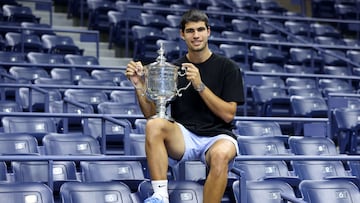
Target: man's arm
[[223, 109], [134, 72]]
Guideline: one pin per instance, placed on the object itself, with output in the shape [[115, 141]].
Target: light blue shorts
[[196, 146]]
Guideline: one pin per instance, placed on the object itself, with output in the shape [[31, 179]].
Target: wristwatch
[[200, 88]]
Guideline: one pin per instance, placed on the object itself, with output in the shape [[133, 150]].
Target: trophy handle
[[183, 88]]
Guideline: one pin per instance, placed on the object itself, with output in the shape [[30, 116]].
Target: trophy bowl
[[161, 83]]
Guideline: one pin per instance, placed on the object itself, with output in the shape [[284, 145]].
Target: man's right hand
[[134, 72]]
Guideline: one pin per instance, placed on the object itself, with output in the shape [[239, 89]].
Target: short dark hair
[[193, 15]]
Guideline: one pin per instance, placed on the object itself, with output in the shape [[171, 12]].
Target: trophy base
[[164, 117]]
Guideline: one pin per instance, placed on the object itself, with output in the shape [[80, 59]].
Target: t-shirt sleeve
[[233, 84]]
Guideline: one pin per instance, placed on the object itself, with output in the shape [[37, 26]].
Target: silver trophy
[[161, 83]]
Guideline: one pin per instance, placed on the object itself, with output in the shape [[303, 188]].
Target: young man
[[203, 114]]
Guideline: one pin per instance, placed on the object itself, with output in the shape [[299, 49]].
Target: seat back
[[179, 191], [301, 145], [329, 191], [262, 145], [96, 192], [70, 144], [268, 191], [81, 60], [115, 76], [36, 126], [258, 170], [18, 143], [44, 58], [318, 170], [38, 171], [308, 106], [115, 133], [60, 44], [258, 128], [129, 172], [26, 192]]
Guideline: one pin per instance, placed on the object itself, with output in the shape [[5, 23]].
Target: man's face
[[196, 35]]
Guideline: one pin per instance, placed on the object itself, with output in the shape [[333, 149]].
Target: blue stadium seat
[[26, 192], [69, 74], [335, 85], [123, 97], [115, 76], [60, 44], [263, 145], [326, 40], [18, 144], [246, 5], [250, 27], [70, 124], [36, 126], [308, 106], [321, 29], [298, 27], [174, 20], [96, 82], [44, 58], [74, 59], [271, 101], [86, 96], [38, 171], [155, 8], [267, 54], [40, 101], [236, 35], [258, 128], [272, 30], [353, 55], [128, 172], [200, 4], [237, 53], [320, 170], [306, 92], [117, 27], [265, 191], [334, 57], [10, 106], [25, 43], [37, 28], [15, 13], [85, 192], [291, 68], [331, 191], [28, 73], [337, 70], [346, 129], [70, 144], [97, 13], [267, 67], [305, 56], [11, 57], [145, 38], [154, 20], [179, 191], [115, 133], [301, 82], [301, 145]]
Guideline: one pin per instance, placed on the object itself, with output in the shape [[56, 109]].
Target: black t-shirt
[[223, 77]]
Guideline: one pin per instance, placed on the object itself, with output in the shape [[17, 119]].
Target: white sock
[[160, 188]]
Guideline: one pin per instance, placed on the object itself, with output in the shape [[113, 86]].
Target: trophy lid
[[161, 59]]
